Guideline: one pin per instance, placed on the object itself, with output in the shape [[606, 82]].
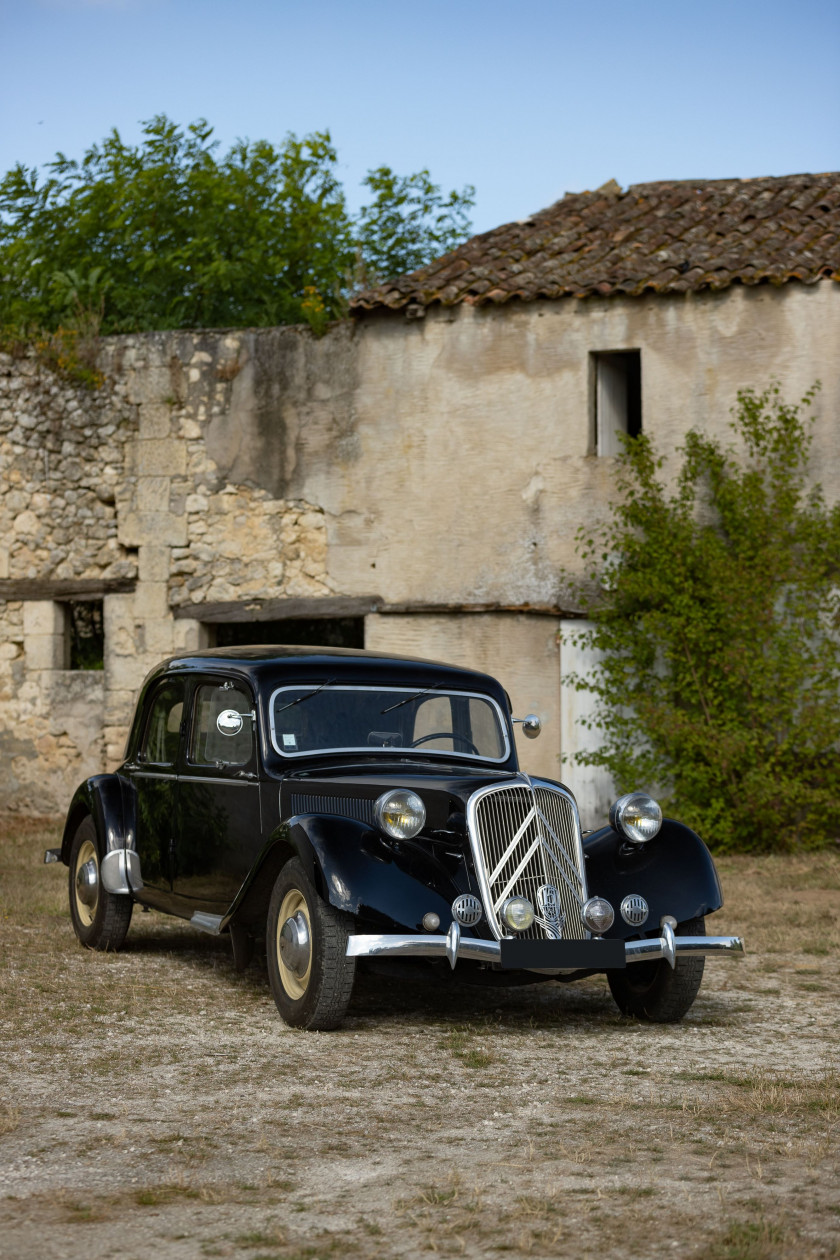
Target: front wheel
[[100, 918], [306, 943], [656, 990]]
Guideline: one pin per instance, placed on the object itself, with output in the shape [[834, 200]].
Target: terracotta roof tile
[[664, 237]]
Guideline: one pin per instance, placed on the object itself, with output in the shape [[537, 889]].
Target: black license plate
[[564, 955]]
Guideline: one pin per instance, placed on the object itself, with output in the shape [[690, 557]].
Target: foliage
[[170, 234], [716, 611], [409, 223]]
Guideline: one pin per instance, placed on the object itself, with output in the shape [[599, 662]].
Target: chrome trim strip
[[454, 946], [202, 778], [372, 748], [119, 871]]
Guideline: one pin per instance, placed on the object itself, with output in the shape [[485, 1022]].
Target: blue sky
[[523, 100]]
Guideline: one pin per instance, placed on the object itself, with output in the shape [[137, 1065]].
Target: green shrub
[[715, 610]]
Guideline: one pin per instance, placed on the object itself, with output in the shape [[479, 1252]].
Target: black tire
[[311, 986], [100, 919], [657, 991]]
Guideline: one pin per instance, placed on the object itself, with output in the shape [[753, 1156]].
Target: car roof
[[282, 664]]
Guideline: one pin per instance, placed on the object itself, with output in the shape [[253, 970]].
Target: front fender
[[109, 801], [385, 885], [675, 873]]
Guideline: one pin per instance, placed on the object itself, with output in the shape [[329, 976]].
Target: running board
[[211, 923]]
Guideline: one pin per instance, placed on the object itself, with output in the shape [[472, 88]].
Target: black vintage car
[[349, 805]]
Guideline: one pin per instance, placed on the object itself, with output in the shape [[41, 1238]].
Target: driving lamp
[[400, 813], [637, 816], [598, 915], [518, 913]]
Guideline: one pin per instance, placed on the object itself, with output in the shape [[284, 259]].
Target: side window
[[163, 725], [223, 732]]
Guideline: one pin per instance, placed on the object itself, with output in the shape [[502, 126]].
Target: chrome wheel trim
[[86, 883], [293, 924]]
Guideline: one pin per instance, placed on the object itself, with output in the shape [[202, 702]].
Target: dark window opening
[[86, 632], [346, 632], [616, 398]]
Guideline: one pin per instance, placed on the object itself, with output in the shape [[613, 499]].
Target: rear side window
[[163, 725], [223, 732]]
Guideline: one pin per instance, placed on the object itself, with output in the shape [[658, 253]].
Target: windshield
[[327, 718]]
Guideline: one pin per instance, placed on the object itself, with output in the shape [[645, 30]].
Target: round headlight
[[400, 813], [598, 915], [518, 913], [637, 816]]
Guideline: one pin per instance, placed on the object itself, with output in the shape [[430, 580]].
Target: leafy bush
[[168, 234], [716, 612]]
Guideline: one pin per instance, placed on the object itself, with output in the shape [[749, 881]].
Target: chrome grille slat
[[524, 835]]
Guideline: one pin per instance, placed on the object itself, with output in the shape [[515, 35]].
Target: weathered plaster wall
[[445, 460]]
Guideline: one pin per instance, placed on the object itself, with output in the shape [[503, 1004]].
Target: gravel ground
[[152, 1103]]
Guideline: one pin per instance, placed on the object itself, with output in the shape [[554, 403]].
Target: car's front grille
[[525, 837]]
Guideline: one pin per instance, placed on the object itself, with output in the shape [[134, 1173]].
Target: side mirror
[[531, 725]]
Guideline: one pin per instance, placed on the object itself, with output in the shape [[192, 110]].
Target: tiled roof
[[664, 237]]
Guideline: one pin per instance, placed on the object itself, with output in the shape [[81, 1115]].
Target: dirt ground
[[153, 1104]]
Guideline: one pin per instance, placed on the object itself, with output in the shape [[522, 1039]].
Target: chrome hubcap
[[87, 883], [294, 944]]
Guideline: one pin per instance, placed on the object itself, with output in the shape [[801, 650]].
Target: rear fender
[[110, 802], [356, 870], [674, 873]]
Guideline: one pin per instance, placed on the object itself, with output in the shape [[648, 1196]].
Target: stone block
[[152, 494], [126, 673], [190, 636], [161, 528], [4, 562], [151, 602], [153, 563], [161, 457], [43, 617], [45, 651], [155, 420], [153, 384], [117, 614], [159, 637]]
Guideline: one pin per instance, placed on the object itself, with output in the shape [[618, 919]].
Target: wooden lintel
[[64, 590], [347, 606], [279, 609], [533, 610]]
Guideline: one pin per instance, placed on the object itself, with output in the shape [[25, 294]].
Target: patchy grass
[[154, 1104]]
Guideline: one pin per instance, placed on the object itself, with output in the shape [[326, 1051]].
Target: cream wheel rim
[[293, 904], [86, 883]]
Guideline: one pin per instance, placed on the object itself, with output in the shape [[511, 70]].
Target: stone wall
[[446, 461]]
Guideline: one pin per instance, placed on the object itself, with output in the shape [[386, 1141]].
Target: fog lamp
[[637, 816], [400, 813], [431, 921], [518, 913], [598, 915]]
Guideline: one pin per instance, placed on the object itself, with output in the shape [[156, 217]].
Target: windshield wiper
[[408, 699], [308, 696]]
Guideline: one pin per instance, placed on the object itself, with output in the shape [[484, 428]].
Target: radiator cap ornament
[[467, 909], [634, 909]]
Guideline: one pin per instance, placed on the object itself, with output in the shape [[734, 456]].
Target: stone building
[[412, 480]]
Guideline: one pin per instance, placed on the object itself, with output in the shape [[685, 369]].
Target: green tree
[[408, 223], [715, 609], [170, 234]]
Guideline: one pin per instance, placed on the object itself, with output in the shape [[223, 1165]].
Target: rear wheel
[[306, 943], [656, 990], [100, 919]]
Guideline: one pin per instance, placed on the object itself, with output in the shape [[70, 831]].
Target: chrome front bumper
[[454, 946]]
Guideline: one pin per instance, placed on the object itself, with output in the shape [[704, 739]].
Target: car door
[[154, 774], [219, 798]]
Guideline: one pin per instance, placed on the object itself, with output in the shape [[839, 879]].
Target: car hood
[[444, 788]]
